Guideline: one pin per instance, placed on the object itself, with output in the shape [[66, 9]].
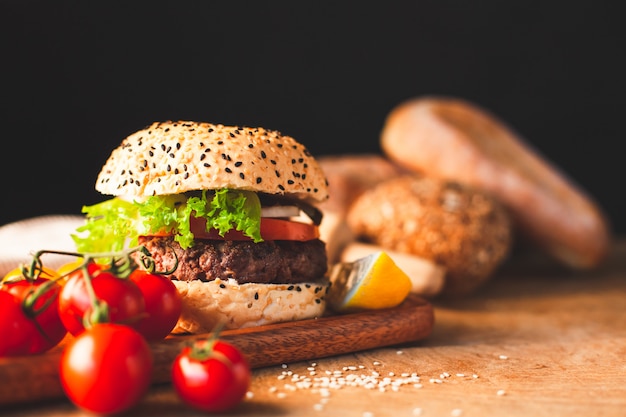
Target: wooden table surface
[[537, 340]]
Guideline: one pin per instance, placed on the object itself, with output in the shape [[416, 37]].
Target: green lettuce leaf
[[115, 224], [110, 227]]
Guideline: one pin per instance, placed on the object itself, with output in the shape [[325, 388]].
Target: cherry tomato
[[67, 268], [122, 296], [16, 330], [162, 301], [211, 375], [106, 369], [48, 328], [271, 229], [18, 274]]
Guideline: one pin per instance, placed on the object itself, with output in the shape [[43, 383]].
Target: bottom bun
[[206, 304]]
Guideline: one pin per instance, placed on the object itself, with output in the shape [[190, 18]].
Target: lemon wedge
[[371, 282]]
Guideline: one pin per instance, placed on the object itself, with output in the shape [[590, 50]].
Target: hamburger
[[231, 210]]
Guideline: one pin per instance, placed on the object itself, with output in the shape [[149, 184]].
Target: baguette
[[456, 140]]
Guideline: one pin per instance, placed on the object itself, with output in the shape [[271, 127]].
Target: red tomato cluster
[[106, 366], [147, 302]]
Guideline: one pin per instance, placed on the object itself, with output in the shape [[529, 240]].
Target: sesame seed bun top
[[175, 157]]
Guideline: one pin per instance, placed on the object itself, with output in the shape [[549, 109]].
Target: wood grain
[[36, 378]]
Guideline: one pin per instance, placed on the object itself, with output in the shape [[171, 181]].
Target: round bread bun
[[175, 157], [236, 306], [463, 229]]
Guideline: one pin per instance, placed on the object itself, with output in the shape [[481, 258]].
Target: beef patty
[[275, 262]]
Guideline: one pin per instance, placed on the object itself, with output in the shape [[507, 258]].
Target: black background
[[76, 78]]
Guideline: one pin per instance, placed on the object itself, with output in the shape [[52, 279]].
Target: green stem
[[121, 265]]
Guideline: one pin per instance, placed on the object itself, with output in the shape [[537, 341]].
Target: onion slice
[[280, 211]]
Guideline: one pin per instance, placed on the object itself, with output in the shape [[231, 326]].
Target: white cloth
[[20, 240]]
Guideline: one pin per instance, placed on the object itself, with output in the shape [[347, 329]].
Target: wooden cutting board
[[35, 378]]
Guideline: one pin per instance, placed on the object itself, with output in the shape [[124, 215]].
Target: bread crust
[[465, 230], [236, 306], [456, 140], [175, 157]]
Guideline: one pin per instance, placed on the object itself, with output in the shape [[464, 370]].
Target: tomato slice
[[271, 229], [278, 229]]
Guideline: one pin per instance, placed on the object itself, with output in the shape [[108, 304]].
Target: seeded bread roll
[[236, 306], [456, 140], [460, 228], [175, 157]]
